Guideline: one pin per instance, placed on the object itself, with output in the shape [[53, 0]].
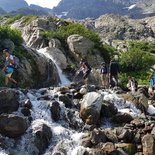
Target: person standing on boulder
[[8, 67], [113, 73], [104, 75], [86, 69]]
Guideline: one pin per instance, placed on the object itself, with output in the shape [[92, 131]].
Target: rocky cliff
[[113, 27], [80, 9]]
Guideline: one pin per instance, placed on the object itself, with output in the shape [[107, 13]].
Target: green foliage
[[135, 59], [107, 52], [30, 18], [142, 77], [12, 34], [73, 28], [13, 19], [144, 46]]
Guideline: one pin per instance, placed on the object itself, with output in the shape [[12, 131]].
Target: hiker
[[104, 75], [113, 73], [151, 89], [132, 84], [8, 67], [86, 69]]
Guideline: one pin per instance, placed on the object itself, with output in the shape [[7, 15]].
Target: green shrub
[[73, 28], [135, 59], [12, 34], [144, 46], [13, 19], [142, 77], [30, 18]]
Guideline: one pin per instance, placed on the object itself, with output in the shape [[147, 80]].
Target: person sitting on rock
[[151, 89], [132, 84], [8, 67]]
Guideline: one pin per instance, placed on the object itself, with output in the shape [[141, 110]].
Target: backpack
[[16, 62], [152, 81]]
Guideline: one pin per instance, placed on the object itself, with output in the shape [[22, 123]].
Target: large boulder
[[42, 136], [80, 46], [32, 33], [36, 70], [8, 101], [55, 110], [148, 144], [91, 107], [58, 57], [12, 126]]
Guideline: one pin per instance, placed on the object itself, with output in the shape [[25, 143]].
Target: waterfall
[[63, 79]]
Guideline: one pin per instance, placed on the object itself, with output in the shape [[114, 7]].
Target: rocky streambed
[[73, 120]]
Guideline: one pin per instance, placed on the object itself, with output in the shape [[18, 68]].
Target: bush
[[12, 34], [73, 28], [142, 77], [11, 20], [135, 59]]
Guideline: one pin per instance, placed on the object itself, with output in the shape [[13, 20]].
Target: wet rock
[[108, 109], [148, 144], [12, 126], [97, 136], [66, 100], [55, 110], [62, 90], [128, 148], [8, 101], [83, 91], [124, 134], [86, 141], [138, 122], [73, 119], [147, 129], [25, 111], [28, 104], [44, 97], [141, 102], [108, 148], [111, 135], [122, 118], [42, 136], [78, 95], [91, 107], [153, 132], [137, 137]]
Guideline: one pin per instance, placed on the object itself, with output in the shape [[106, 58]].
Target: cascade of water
[[63, 78]]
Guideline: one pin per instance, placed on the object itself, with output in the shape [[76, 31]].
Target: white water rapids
[[63, 135]]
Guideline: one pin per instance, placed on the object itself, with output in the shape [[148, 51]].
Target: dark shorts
[[85, 76]]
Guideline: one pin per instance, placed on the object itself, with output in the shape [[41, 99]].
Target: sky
[[44, 3]]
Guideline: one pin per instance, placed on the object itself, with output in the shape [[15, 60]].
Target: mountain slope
[[80, 9], [11, 5]]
